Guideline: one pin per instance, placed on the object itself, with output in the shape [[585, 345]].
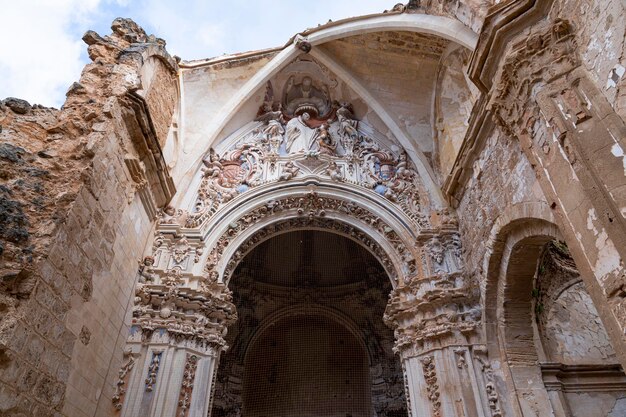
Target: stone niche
[[310, 339]]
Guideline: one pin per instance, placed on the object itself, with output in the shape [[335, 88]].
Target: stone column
[[177, 334], [436, 320]]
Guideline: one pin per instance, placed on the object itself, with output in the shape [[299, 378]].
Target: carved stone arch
[[444, 27], [357, 216], [309, 309], [514, 247], [518, 216]]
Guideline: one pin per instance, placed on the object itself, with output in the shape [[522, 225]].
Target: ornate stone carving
[[438, 308], [198, 316], [153, 370], [186, 388], [543, 56], [289, 171], [461, 362], [313, 208], [302, 44], [480, 354], [432, 387], [299, 134], [123, 374]]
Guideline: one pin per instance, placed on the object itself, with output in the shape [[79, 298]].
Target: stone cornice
[[503, 23], [480, 127], [145, 140], [500, 26]]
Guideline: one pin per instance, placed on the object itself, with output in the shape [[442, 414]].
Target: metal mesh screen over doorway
[[306, 366], [310, 340]]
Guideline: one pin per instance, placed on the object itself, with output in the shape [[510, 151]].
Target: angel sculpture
[[290, 170], [347, 128], [213, 164]]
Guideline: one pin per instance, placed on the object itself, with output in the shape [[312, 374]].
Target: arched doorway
[[552, 345], [310, 339], [306, 365]]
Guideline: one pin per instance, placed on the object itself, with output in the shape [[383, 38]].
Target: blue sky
[[41, 52]]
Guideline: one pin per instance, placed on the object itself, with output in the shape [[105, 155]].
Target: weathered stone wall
[[79, 190], [41, 177], [601, 37], [502, 177], [469, 12], [454, 102], [571, 331]]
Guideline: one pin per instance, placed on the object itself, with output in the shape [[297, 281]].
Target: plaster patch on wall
[[615, 75], [574, 333], [608, 258], [618, 152]]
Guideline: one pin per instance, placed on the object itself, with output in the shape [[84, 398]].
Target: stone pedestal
[[176, 338]]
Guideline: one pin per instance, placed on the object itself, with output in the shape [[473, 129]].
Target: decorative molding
[[312, 210], [432, 387], [546, 54], [480, 355], [502, 23], [122, 380], [153, 370], [583, 378], [186, 387], [188, 317], [147, 145]]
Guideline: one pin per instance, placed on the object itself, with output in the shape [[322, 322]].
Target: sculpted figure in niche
[[273, 133], [347, 128], [325, 141], [306, 97], [300, 137], [334, 172], [290, 170]]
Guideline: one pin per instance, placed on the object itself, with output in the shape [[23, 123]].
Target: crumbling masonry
[[428, 205]]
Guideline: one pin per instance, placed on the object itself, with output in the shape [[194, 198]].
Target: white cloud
[[41, 52], [39, 55]]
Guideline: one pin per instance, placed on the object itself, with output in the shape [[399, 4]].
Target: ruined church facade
[[420, 212]]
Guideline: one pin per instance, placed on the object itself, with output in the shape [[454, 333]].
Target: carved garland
[[312, 210], [480, 354], [153, 370], [186, 388], [123, 374], [432, 388]]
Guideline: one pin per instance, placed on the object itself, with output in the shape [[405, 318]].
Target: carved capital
[[546, 54], [197, 316], [433, 312]]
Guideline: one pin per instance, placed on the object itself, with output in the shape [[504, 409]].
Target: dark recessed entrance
[[310, 340]]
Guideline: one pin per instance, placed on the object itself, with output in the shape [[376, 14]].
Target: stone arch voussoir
[[281, 210]]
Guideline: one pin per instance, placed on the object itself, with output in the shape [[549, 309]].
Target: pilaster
[[436, 321], [178, 328]]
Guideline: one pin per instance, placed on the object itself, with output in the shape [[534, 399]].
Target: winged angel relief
[[306, 134]]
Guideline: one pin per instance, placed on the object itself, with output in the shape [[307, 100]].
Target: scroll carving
[[122, 380], [432, 387], [186, 388]]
